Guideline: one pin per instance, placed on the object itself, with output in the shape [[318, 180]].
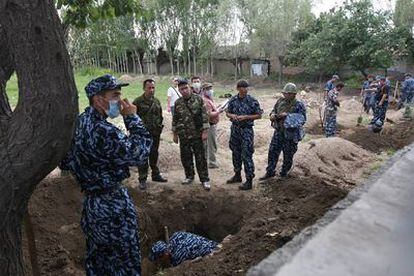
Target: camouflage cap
[[157, 250], [335, 77], [105, 82], [182, 81], [206, 85], [290, 88]]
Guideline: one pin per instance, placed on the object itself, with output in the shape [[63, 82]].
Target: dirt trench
[[255, 222]]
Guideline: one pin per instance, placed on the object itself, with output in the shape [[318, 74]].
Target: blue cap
[[105, 82], [157, 250]]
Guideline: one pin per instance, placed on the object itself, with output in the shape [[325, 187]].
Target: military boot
[[247, 185], [236, 178]]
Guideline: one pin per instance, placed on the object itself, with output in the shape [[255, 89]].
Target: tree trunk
[[38, 133], [172, 64], [281, 60]]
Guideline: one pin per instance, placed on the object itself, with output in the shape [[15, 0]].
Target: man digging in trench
[[100, 158]]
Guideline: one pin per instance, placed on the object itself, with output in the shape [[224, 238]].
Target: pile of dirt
[[335, 160], [393, 137]]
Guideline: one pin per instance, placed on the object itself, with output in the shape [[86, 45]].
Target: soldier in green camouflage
[[150, 111], [190, 125]]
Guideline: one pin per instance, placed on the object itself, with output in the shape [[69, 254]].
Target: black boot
[[248, 185], [235, 179]]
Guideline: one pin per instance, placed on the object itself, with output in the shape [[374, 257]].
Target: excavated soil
[[252, 224]]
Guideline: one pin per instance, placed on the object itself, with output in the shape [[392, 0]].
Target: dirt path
[[259, 221]]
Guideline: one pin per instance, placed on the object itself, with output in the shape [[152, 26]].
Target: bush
[[94, 71]]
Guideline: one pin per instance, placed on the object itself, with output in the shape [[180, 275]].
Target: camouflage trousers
[[278, 144], [379, 113], [242, 146], [152, 160], [110, 225], [406, 98], [194, 148], [330, 124]]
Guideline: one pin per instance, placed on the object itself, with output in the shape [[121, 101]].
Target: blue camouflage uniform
[[242, 136], [329, 86], [381, 110], [183, 246], [99, 158], [288, 132], [407, 92], [330, 112]]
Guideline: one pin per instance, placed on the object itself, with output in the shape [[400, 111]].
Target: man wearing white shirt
[[172, 95]]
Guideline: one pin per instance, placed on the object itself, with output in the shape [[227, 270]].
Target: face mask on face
[[209, 93], [197, 85], [113, 110]]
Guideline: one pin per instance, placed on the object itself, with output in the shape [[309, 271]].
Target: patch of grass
[[390, 151], [84, 75]]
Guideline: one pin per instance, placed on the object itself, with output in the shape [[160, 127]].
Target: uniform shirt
[[190, 117], [381, 90], [187, 246], [292, 125], [244, 106], [331, 100], [211, 107], [408, 86], [150, 112], [329, 86], [101, 153], [174, 94]]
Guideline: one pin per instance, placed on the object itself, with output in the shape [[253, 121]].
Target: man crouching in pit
[[288, 117], [100, 158]]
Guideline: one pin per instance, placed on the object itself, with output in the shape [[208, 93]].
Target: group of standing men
[[101, 154]]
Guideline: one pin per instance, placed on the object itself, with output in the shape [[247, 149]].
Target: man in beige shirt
[[214, 115]]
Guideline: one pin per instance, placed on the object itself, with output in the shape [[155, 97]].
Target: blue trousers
[[110, 225], [242, 146], [278, 144], [330, 125], [380, 112]]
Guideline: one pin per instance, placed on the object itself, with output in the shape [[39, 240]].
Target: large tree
[[37, 133]]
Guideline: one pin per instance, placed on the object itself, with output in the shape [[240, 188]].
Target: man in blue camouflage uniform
[[331, 109], [288, 117], [242, 110], [331, 84], [99, 158], [366, 94], [407, 91], [381, 101], [182, 246]]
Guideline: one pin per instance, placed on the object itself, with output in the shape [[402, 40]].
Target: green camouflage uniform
[[150, 111], [189, 120]]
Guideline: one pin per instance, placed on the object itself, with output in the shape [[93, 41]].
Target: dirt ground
[[255, 222]]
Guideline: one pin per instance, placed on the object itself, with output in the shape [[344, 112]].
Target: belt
[[102, 191]]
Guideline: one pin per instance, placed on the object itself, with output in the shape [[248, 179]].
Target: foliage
[[81, 13], [354, 35]]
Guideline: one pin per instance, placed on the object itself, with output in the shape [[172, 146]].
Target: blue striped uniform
[[242, 136], [99, 158]]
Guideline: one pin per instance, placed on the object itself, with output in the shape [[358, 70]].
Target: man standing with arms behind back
[[172, 95], [150, 111], [242, 110], [99, 158]]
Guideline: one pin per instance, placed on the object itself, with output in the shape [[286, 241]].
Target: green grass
[[82, 77]]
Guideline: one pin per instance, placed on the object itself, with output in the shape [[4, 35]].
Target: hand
[[169, 109], [204, 135], [175, 138], [272, 117], [282, 115], [127, 108], [380, 103], [242, 117]]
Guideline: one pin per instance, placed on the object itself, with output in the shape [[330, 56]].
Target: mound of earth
[[335, 160]]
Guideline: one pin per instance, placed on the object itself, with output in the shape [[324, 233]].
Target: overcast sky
[[325, 5]]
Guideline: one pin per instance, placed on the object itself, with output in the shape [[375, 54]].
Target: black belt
[[102, 191]]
